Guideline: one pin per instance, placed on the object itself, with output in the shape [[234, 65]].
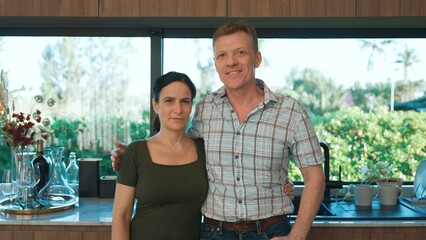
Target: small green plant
[[376, 171]]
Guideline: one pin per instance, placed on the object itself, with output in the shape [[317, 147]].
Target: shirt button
[[236, 157], [240, 201], [238, 178], [238, 133]]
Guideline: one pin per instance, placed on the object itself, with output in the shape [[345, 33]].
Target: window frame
[[159, 28]]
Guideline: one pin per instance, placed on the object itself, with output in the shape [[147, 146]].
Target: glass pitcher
[[57, 191]]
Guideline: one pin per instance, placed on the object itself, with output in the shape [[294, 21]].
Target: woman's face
[[174, 106]]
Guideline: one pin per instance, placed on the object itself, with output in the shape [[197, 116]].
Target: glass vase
[[57, 191], [27, 176]]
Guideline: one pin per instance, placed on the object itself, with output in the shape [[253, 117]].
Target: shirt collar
[[269, 96]]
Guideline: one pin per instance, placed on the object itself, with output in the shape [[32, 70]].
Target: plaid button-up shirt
[[247, 163]]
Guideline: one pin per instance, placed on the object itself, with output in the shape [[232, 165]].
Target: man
[[250, 134]]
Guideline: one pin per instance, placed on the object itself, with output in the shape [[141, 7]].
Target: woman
[[166, 173]]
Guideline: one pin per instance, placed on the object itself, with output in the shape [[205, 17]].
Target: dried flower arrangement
[[21, 129]]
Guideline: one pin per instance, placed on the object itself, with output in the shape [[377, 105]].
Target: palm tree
[[376, 47], [406, 60]]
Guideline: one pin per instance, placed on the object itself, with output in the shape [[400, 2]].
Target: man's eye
[[220, 56], [241, 52]]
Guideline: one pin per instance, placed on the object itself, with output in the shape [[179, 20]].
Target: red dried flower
[[20, 131]]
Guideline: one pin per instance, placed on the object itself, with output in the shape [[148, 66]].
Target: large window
[[352, 88], [100, 86], [349, 86]]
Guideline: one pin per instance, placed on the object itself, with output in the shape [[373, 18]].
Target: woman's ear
[[154, 105]]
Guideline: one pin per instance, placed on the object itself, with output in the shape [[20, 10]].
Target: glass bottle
[[72, 174], [43, 164], [57, 191]]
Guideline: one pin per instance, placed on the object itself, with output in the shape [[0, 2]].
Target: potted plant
[[379, 173]]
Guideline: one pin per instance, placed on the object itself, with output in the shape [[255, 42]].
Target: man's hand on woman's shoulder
[[116, 154]]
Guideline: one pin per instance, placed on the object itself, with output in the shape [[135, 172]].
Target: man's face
[[236, 60]]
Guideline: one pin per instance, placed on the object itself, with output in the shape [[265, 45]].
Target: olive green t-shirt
[[169, 198]]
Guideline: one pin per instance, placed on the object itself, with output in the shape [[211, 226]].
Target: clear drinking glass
[[28, 177], [10, 188]]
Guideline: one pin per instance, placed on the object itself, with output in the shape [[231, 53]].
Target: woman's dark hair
[[165, 80]]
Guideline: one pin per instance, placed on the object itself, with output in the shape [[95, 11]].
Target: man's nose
[[231, 59]]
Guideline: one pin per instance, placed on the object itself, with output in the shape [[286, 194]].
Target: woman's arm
[[122, 212]]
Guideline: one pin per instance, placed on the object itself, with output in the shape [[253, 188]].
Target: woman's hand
[[289, 189]]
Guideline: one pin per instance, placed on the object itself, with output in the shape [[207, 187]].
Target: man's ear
[[258, 59]]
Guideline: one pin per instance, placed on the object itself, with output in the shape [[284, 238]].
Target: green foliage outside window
[[355, 137], [66, 131]]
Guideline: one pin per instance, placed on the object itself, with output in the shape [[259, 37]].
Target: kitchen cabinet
[[104, 232], [366, 233], [400, 233], [326, 232], [259, 8], [292, 8], [49, 8], [322, 8], [326, 8], [368, 8], [412, 8], [213, 8], [391, 8], [162, 8], [43, 232]]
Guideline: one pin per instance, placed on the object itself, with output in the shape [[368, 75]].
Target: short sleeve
[[128, 171]]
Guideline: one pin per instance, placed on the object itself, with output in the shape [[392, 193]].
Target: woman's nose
[[178, 107]]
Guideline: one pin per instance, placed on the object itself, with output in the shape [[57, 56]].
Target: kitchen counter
[[92, 220], [347, 212], [343, 220], [90, 211], [98, 212]]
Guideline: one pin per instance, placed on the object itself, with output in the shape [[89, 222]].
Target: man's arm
[[309, 204]]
